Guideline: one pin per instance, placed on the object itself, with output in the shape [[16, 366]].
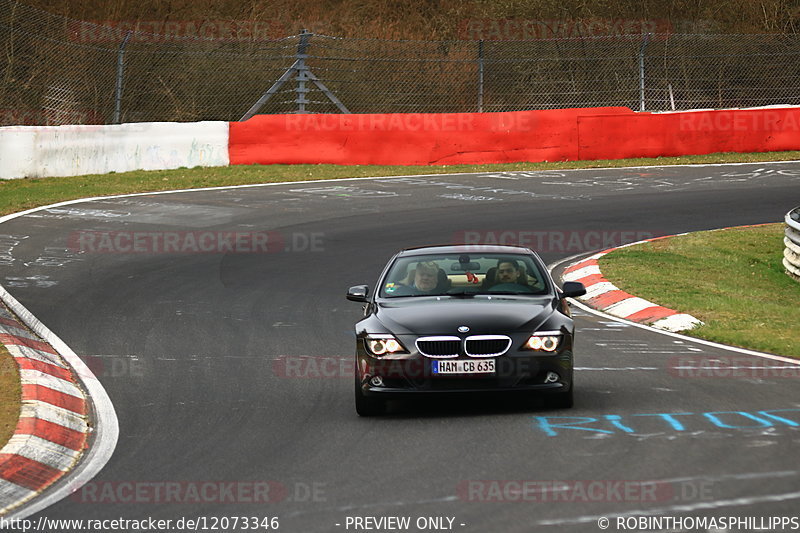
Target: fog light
[[377, 381], [551, 377]]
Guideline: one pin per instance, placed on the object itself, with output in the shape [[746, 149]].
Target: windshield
[[464, 274]]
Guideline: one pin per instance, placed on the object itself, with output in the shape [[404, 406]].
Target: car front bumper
[[412, 374]]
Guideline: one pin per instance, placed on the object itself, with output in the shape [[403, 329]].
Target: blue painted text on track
[[649, 423]]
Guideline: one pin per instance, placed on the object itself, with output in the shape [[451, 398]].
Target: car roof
[[465, 249]]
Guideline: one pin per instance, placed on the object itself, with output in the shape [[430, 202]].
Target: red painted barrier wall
[[411, 139], [688, 133], [472, 138]]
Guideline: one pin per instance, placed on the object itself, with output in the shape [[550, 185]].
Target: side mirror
[[358, 293], [573, 289]]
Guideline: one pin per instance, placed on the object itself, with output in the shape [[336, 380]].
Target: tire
[[561, 400], [367, 406]]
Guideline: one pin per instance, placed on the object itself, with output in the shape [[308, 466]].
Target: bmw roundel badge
[[463, 329]]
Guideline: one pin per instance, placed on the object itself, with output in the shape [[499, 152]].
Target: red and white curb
[[53, 429], [603, 295]]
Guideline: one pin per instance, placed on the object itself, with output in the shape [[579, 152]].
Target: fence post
[[641, 70], [120, 78], [480, 76], [304, 75], [302, 71]]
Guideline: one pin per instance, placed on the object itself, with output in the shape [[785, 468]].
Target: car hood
[[482, 316]]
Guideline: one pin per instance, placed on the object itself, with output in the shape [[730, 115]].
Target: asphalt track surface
[[186, 345]]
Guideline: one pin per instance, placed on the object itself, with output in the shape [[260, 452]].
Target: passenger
[[426, 277]]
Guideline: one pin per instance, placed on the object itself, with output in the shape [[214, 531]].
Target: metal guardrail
[[791, 240]]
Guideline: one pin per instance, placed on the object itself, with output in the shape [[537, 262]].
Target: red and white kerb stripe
[[52, 430], [603, 295]]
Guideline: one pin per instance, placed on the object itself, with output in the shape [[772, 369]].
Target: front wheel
[[368, 406]]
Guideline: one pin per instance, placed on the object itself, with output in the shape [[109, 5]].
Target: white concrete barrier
[[16, 151], [43, 151]]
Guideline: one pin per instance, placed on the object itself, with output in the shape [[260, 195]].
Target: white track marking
[[596, 289], [29, 353], [42, 451], [11, 492], [36, 377], [629, 306], [588, 270], [51, 413]]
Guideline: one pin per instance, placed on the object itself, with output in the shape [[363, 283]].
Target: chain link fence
[[61, 71]]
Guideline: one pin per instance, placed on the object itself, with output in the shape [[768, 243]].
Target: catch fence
[[56, 70]]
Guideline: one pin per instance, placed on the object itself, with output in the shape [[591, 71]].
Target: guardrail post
[[791, 241], [120, 78]]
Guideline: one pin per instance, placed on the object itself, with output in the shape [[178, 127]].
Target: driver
[[510, 276], [508, 271]]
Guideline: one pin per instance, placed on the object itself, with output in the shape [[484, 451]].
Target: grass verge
[[9, 395], [732, 280], [19, 194]]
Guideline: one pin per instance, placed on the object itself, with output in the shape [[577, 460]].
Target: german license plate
[[463, 366]]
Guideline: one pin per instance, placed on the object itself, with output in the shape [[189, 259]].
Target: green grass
[[9, 395], [732, 280], [20, 194]]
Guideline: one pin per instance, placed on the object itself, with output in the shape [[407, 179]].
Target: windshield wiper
[[509, 293], [463, 293]]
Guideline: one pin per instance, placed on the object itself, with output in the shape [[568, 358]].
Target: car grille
[[474, 346], [439, 346], [486, 345]]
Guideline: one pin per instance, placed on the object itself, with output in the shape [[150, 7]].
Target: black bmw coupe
[[463, 318]]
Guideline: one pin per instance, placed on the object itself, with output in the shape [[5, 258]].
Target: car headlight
[[544, 341], [383, 344]]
